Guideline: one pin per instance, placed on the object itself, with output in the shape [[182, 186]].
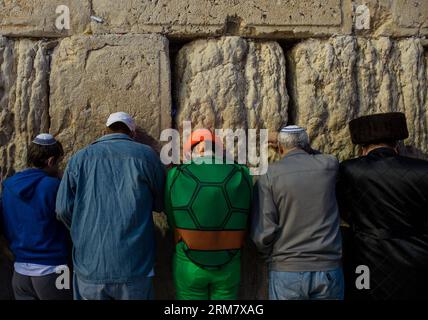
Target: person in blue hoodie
[[39, 242]]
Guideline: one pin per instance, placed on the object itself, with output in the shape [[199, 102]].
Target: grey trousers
[[38, 288]]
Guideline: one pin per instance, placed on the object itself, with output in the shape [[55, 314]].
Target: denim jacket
[[106, 199]]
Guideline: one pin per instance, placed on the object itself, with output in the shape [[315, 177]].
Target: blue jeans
[[328, 285], [141, 289]]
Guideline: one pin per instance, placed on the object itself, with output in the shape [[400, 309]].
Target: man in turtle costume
[[207, 202]]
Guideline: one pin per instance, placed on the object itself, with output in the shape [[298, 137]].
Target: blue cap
[[44, 139]]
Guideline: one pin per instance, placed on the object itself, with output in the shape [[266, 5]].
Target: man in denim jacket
[[106, 198]]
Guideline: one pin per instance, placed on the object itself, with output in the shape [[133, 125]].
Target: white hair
[[292, 140]]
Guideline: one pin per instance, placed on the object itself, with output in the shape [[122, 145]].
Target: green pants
[[195, 283]]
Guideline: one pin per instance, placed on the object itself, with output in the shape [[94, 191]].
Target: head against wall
[[45, 153], [383, 130], [197, 143], [121, 122], [291, 138], [367, 148]]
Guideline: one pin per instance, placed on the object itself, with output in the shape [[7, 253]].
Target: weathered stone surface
[[402, 18], [234, 83], [413, 93], [36, 18], [391, 77], [196, 18], [93, 76], [324, 91], [341, 78], [411, 15], [24, 95], [254, 18], [24, 74], [231, 83]]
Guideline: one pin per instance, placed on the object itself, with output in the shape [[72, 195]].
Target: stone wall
[[336, 80], [93, 76], [239, 64]]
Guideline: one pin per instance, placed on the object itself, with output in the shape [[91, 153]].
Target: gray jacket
[[295, 220]]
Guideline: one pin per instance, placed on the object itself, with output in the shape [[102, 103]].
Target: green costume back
[[208, 207]]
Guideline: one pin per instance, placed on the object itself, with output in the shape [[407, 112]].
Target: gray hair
[[292, 140]]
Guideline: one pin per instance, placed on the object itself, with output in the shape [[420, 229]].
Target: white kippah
[[292, 129], [44, 139]]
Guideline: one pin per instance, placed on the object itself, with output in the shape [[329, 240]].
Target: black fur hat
[[377, 128]]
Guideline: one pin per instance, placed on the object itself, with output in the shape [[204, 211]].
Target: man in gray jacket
[[295, 222]]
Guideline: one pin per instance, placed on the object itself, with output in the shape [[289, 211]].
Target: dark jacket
[[29, 220], [384, 198]]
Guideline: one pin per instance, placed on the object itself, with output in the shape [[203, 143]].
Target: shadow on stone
[[142, 136], [253, 269], [163, 281], [6, 272], [413, 152], [254, 274]]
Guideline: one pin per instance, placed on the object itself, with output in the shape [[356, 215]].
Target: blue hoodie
[[29, 219]]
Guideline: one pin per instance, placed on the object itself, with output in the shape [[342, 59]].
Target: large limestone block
[[279, 18], [211, 84], [413, 91], [391, 76], [324, 91], [416, 13], [341, 78], [233, 83], [24, 69], [376, 77], [37, 18], [93, 76], [24, 77], [397, 18]]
